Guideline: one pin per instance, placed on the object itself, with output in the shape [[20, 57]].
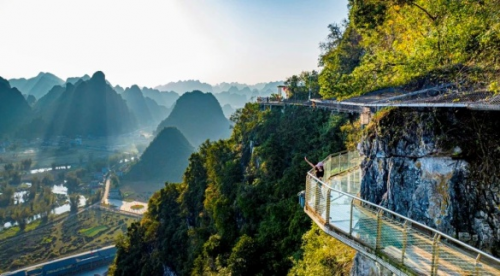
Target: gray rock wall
[[427, 165], [363, 266]]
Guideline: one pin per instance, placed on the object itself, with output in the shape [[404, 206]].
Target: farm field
[[91, 229]]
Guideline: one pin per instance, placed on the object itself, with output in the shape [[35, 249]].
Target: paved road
[[56, 260], [121, 205], [106, 191]]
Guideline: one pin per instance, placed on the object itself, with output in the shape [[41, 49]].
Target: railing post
[[349, 183], [308, 191], [327, 211], [477, 265], [405, 241], [435, 254], [340, 166], [328, 167], [348, 160], [317, 196], [378, 241], [350, 219]]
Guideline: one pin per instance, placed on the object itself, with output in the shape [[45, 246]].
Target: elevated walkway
[[402, 245], [442, 96]]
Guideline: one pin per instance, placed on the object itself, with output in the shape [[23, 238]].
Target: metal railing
[[404, 243], [329, 105]]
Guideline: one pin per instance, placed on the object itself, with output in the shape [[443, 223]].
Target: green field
[[137, 207], [13, 231], [90, 232], [91, 229]]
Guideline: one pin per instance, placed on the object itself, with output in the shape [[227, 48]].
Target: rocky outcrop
[[438, 167], [364, 266]]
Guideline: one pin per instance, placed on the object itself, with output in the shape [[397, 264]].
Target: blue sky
[[153, 42]]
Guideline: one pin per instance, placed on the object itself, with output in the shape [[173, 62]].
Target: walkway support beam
[[350, 215], [327, 211], [378, 243], [405, 241], [435, 254]]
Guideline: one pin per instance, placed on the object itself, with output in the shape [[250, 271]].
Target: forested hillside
[[235, 213], [165, 159], [408, 44], [236, 210]]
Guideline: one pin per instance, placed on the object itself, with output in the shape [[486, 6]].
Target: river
[[56, 189]]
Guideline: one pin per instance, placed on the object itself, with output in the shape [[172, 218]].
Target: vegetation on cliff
[[236, 211], [236, 206], [412, 43]]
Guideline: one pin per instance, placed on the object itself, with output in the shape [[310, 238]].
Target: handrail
[[433, 232], [443, 235], [351, 106]]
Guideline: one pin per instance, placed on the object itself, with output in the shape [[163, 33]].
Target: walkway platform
[[443, 96], [400, 244]]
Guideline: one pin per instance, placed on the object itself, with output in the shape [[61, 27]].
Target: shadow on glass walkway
[[400, 244]]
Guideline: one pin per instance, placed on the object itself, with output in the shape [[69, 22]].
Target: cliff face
[[438, 167]]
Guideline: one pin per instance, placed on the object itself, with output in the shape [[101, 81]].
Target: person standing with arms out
[[318, 168]]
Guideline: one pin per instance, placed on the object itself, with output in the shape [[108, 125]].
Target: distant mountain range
[[165, 159], [182, 87], [164, 98], [73, 80], [90, 107], [228, 110], [36, 86], [199, 117], [146, 110], [232, 93], [232, 87]]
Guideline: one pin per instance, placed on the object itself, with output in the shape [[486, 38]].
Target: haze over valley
[[103, 144], [189, 137]]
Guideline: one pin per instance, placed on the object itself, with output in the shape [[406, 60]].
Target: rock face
[[438, 167], [363, 266]]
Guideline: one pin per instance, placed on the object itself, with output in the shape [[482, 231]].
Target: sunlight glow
[[156, 41]]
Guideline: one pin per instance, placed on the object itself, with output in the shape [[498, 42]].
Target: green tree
[[8, 167], [237, 205], [115, 181], [47, 179], [301, 86], [242, 260], [72, 182], [26, 164], [74, 200], [323, 255]]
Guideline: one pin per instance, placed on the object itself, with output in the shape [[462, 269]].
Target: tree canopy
[[412, 42], [237, 204]]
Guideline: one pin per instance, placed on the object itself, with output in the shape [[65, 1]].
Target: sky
[[152, 42]]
